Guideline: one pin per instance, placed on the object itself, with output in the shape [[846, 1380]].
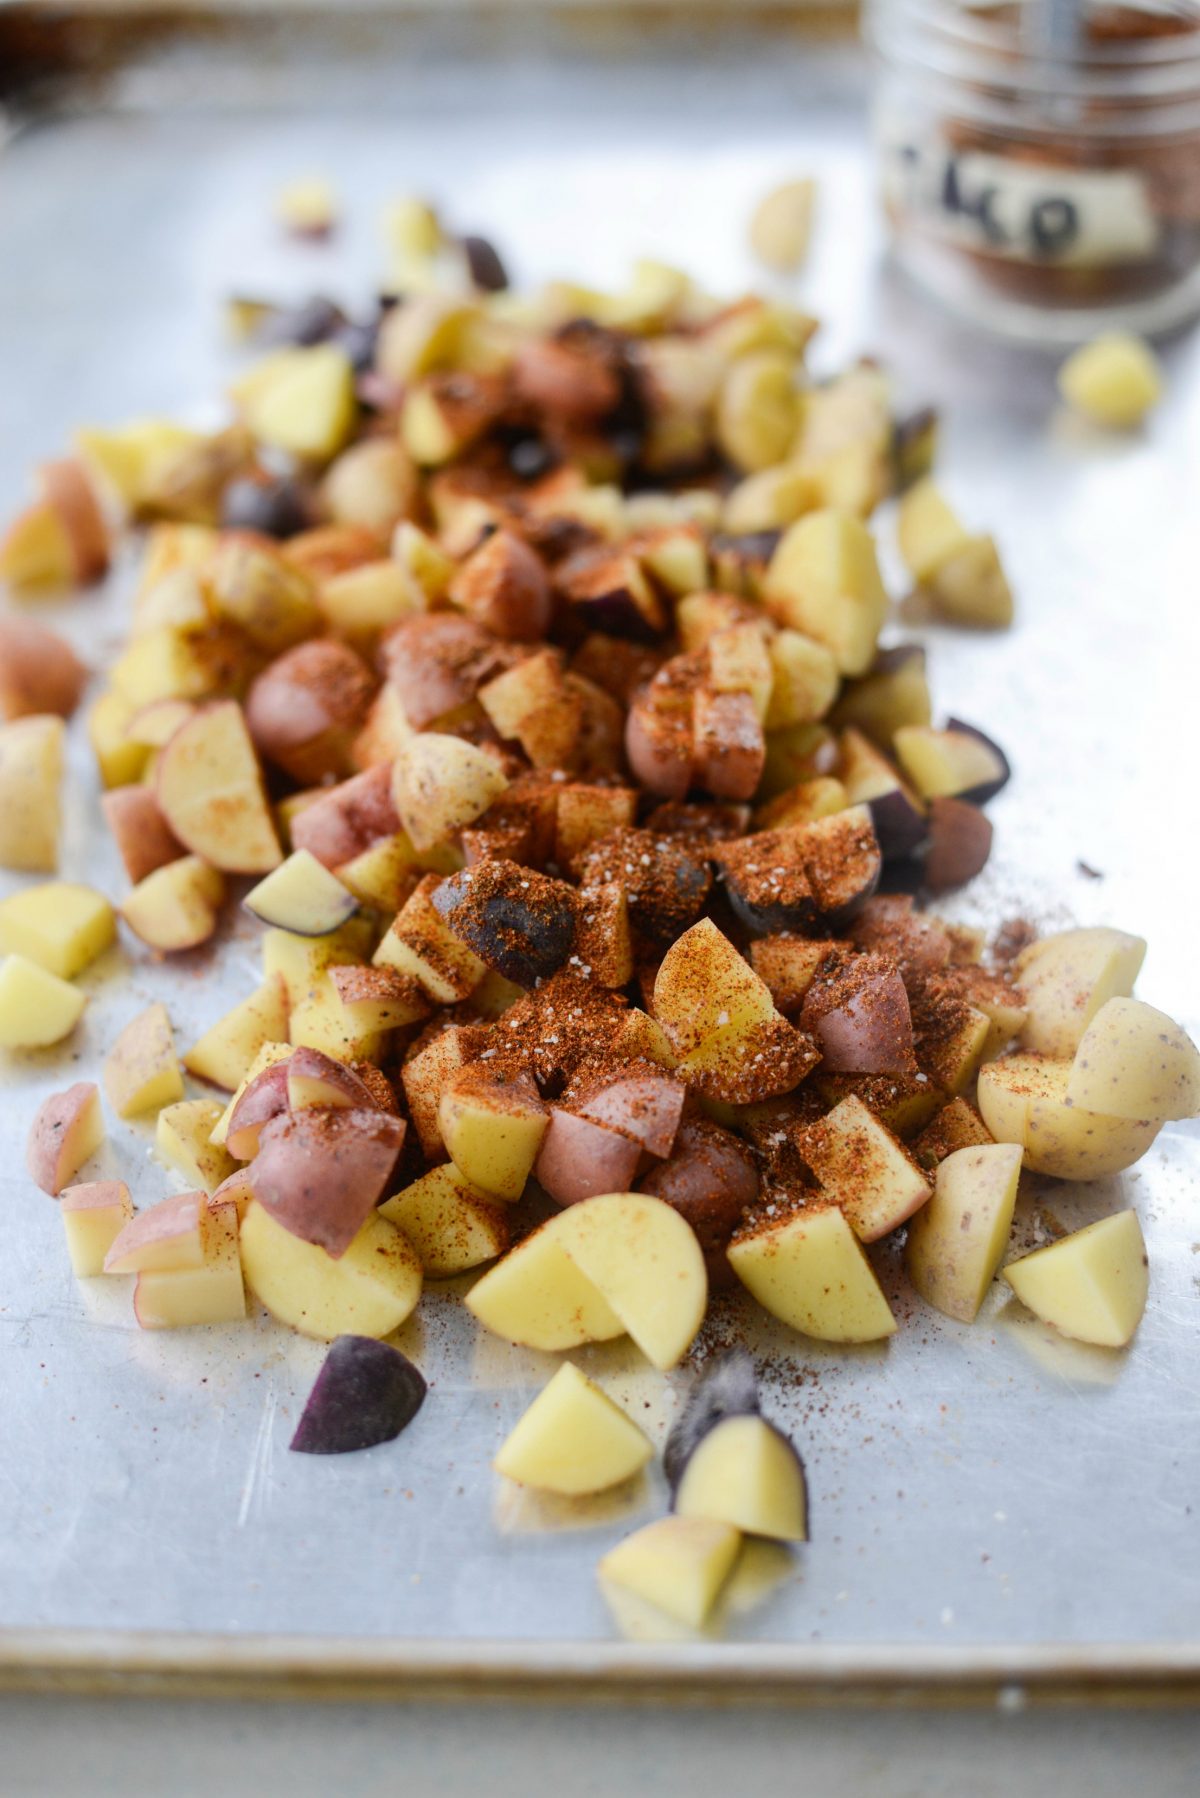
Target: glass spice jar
[[1040, 159]]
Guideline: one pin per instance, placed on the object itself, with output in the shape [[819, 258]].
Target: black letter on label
[[993, 230], [1054, 225]]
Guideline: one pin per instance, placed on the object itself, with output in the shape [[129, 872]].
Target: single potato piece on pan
[[538, 1297], [36, 1008], [645, 1260], [810, 1270], [93, 1215], [301, 896], [1092, 1284], [171, 1234], [368, 1291], [176, 907], [440, 783], [141, 1070], [67, 1128], [143, 837], [573, 1439], [957, 1241], [746, 1472], [1024, 1099], [210, 788], [31, 765], [493, 1127], [61, 926], [320, 1173], [39, 671], [678, 1564], [1066, 978], [865, 1168], [1135, 1062], [452, 1225]]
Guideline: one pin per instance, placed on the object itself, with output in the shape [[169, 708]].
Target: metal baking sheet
[[985, 1500]]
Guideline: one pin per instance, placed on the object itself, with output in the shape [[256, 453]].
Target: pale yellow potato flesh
[[61, 926], [1065, 979], [1114, 380], [809, 1269], [452, 1224], [420, 944], [1092, 1284], [804, 681], [744, 1473], [824, 580], [183, 1139], [865, 1168], [225, 1051], [304, 403], [440, 783], [573, 1439], [210, 788], [368, 1291], [538, 1297], [1023, 1099], [302, 896], [213, 1293], [93, 1217], [176, 906], [31, 766], [267, 1056], [1135, 1062], [164, 1237], [645, 1259], [957, 1241], [320, 1021], [928, 529], [494, 1148], [36, 1008], [678, 1564], [703, 986], [924, 757], [141, 1070], [302, 960]]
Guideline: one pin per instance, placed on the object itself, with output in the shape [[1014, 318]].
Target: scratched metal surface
[[989, 1487]]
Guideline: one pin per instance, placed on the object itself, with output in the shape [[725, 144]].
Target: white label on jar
[[1023, 211]]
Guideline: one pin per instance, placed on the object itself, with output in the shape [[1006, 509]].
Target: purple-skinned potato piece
[[365, 1394]]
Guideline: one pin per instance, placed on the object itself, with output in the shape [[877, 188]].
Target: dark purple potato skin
[[616, 614], [523, 942], [313, 321], [987, 789], [888, 661], [276, 508], [960, 842], [770, 920], [901, 827], [486, 267], [365, 1394], [729, 1388], [359, 340]]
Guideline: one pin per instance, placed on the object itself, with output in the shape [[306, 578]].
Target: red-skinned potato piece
[[710, 1180], [317, 1080], [306, 709], [320, 1173], [580, 1158], [647, 1105], [438, 662], [659, 741], [144, 839], [347, 819], [39, 671], [265, 1097], [504, 586], [728, 746], [66, 1129], [858, 1010], [562, 378], [960, 842], [73, 498]]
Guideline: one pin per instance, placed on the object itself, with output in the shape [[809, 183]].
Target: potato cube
[[804, 680], [943, 763], [31, 765], [757, 409], [169, 1235], [864, 1168], [970, 587], [183, 1140], [1115, 380], [1024, 1099], [745, 1472], [121, 761], [67, 1128], [493, 1128], [823, 580], [302, 960], [224, 1052], [376, 1000], [302, 896], [644, 1259], [704, 986], [781, 225], [177, 906], [321, 1021], [141, 1070], [1135, 1062], [1066, 978], [573, 1439], [427, 1073], [93, 1215], [957, 1241], [809, 1269], [538, 1297], [929, 530], [36, 1008], [35, 550], [421, 945], [304, 403], [738, 662], [369, 1291], [678, 1564], [1091, 1284], [61, 926], [452, 1225], [213, 1293]]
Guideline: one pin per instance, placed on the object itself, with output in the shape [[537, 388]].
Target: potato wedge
[[957, 1241], [368, 1291], [1091, 1284]]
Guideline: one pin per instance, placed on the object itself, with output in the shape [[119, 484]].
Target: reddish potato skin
[[869, 1031], [321, 1173], [143, 837], [730, 749], [579, 1158], [69, 491], [438, 662], [659, 748], [648, 1106], [960, 842], [504, 586], [349, 818], [265, 1098], [39, 671], [352, 1093], [710, 1180], [51, 1121], [305, 710]]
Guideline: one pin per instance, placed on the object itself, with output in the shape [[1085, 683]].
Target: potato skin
[[39, 671], [709, 1179], [305, 710]]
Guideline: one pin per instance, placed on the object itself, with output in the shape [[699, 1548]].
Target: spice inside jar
[[1040, 160]]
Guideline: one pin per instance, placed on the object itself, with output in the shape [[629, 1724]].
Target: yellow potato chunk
[[225, 1052], [305, 403], [645, 1260], [31, 765], [864, 1168], [940, 763], [267, 1056], [141, 1070], [176, 907], [307, 205], [36, 1008], [421, 945], [368, 1291], [824, 580], [1115, 380], [539, 1298], [441, 783], [929, 530], [804, 680], [1066, 978], [957, 1241], [1024, 1099], [166, 1236], [808, 1268], [321, 1021], [746, 1472], [757, 409], [678, 1564], [183, 1139], [302, 896], [1135, 1062], [213, 1293], [704, 986], [93, 1215], [302, 960], [781, 225], [452, 1225], [1092, 1284], [493, 1132], [573, 1439], [971, 586], [61, 926], [120, 760], [35, 550]]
